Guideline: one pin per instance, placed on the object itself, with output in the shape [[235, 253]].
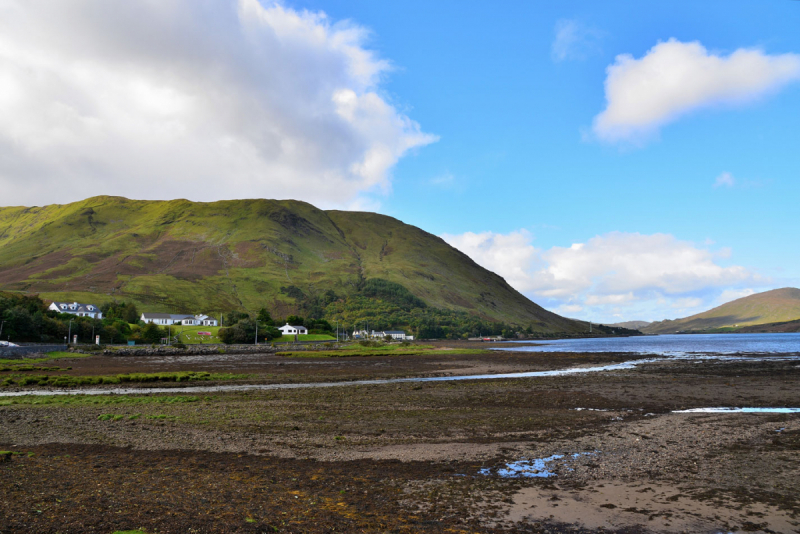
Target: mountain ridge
[[775, 306], [179, 255]]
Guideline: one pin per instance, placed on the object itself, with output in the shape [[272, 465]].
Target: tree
[[264, 317], [152, 333], [234, 317], [295, 320], [131, 314], [243, 331]]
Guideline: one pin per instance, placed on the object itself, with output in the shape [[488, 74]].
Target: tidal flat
[[592, 452]]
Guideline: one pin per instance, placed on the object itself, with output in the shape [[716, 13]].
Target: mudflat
[[592, 452]]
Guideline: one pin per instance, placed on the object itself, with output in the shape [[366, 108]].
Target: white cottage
[[165, 319], [81, 310], [289, 330]]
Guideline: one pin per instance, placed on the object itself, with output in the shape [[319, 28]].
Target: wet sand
[[410, 457]]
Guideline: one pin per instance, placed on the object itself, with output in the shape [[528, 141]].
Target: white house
[[157, 318], [81, 310], [289, 330], [394, 334], [165, 319], [205, 320]]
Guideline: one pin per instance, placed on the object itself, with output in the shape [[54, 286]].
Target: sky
[[612, 160]]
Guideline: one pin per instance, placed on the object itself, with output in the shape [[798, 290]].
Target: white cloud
[[732, 294], [725, 179], [199, 100], [574, 41], [567, 309], [512, 255], [686, 303], [641, 274], [674, 78]]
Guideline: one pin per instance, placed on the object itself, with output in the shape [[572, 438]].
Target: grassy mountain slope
[[242, 254], [778, 305]]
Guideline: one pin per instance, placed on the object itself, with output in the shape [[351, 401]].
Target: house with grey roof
[[165, 319], [81, 310]]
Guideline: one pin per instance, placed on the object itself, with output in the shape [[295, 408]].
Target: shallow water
[[535, 468], [532, 374], [670, 345], [252, 387], [739, 410]]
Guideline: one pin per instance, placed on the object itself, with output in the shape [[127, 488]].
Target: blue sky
[[612, 160], [511, 115]]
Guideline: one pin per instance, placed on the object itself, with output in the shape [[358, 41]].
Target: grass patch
[[72, 381], [25, 368], [383, 350], [110, 417], [189, 334], [99, 400], [307, 337], [162, 417], [48, 357]]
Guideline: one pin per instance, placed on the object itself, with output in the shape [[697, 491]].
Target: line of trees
[[246, 329], [26, 318]]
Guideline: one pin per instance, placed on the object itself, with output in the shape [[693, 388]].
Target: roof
[[393, 332], [157, 315], [292, 326], [86, 308]]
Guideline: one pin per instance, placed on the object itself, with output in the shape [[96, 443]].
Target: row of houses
[[168, 319], [92, 311], [375, 334], [165, 319]]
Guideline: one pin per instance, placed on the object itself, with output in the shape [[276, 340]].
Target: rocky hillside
[[244, 254]]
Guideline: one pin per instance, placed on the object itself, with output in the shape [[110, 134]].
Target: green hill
[[776, 306], [287, 256]]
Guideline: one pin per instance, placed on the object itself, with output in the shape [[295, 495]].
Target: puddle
[[535, 468], [739, 410]]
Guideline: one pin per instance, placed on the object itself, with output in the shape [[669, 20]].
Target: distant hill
[[632, 325], [287, 256], [785, 327], [776, 306]]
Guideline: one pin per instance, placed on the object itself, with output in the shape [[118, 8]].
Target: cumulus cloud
[[674, 78], [574, 41], [199, 100], [512, 255], [733, 294], [608, 273]]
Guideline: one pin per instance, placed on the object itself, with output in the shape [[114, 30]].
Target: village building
[[81, 310], [165, 319], [290, 330], [394, 334]]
